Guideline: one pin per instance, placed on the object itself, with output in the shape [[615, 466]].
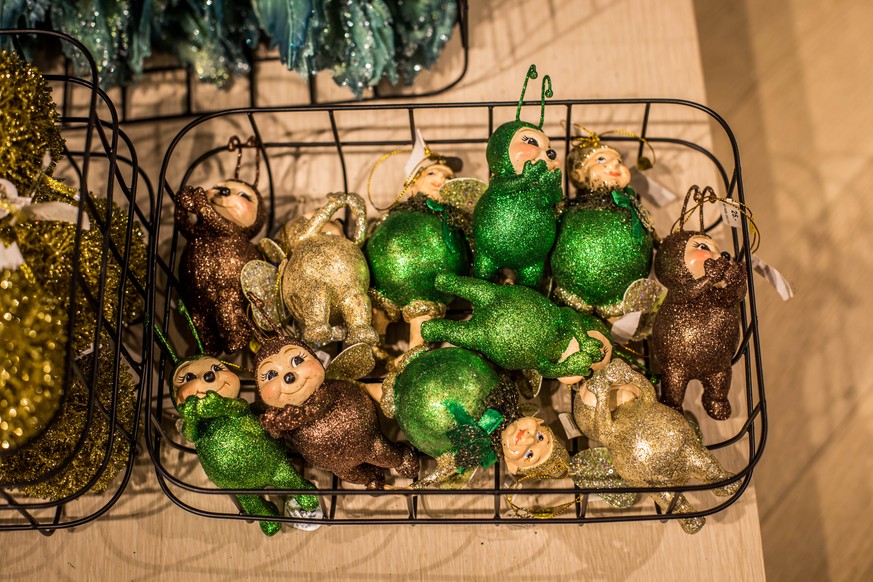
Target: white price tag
[[774, 277], [417, 155], [626, 326], [650, 189], [570, 428], [731, 214], [10, 257]]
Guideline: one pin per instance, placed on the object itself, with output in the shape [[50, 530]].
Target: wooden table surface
[[591, 48]]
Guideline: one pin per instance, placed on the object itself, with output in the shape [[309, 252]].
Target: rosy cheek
[[696, 262], [525, 152], [270, 393]]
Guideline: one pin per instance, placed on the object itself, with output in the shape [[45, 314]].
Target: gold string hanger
[[708, 196], [420, 167], [592, 141]]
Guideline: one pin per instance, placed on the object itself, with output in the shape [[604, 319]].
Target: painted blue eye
[[528, 455], [540, 437], [270, 375], [297, 360], [188, 377]]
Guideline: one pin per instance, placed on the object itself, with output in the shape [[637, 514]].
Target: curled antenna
[[183, 311], [164, 342], [531, 74], [234, 144], [546, 92]]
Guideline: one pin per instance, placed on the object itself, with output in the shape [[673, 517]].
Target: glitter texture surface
[[651, 445], [325, 280], [697, 329], [597, 256], [54, 445], [32, 332], [593, 468], [406, 252], [517, 328], [210, 268], [428, 382], [236, 453]]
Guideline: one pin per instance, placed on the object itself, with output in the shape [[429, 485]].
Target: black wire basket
[[306, 152], [100, 163]]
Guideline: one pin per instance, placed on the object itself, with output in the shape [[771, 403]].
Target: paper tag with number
[[731, 214], [774, 277], [626, 326]]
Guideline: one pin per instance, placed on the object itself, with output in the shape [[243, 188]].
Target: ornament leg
[[460, 333], [476, 291], [484, 267], [257, 505], [205, 329], [287, 477], [316, 318], [689, 525], [395, 456], [704, 466], [715, 394], [673, 385], [364, 474], [415, 338], [358, 316], [230, 313]]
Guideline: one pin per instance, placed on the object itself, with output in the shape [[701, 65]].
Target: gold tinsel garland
[[48, 247], [54, 445], [28, 123], [32, 340]]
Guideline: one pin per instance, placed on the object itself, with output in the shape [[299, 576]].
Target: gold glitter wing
[[356, 361]]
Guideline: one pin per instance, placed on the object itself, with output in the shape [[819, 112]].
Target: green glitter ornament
[[514, 224], [452, 405], [519, 329], [233, 448], [605, 237]]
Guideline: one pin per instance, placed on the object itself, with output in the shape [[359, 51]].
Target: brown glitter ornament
[[219, 224], [32, 333], [697, 329], [651, 445], [325, 279], [332, 423]]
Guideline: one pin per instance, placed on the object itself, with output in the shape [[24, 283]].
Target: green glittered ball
[[428, 383], [407, 251], [28, 123], [596, 255]]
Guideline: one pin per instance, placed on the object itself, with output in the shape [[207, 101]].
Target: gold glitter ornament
[[325, 281], [32, 332], [28, 123], [651, 445], [48, 248], [55, 444]]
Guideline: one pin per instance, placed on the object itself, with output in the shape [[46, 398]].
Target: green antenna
[[183, 311], [164, 342], [546, 92]]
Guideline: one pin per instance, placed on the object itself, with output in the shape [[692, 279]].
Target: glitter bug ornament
[[330, 421], [519, 329], [605, 237], [234, 450], [219, 224], [651, 445], [324, 280], [420, 238], [697, 329], [514, 224], [452, 405]]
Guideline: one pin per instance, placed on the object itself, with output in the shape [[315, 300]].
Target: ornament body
[[651, 445], [407, 250], [697, 329], [432, 380], [519, 329], [325, 279], [600, 250], [227, 217]]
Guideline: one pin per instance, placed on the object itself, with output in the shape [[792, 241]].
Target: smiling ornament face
[[603, 169], [290, 376], [698, 249], [202, 375], [235, 201], [526, 444], [431, 179]]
